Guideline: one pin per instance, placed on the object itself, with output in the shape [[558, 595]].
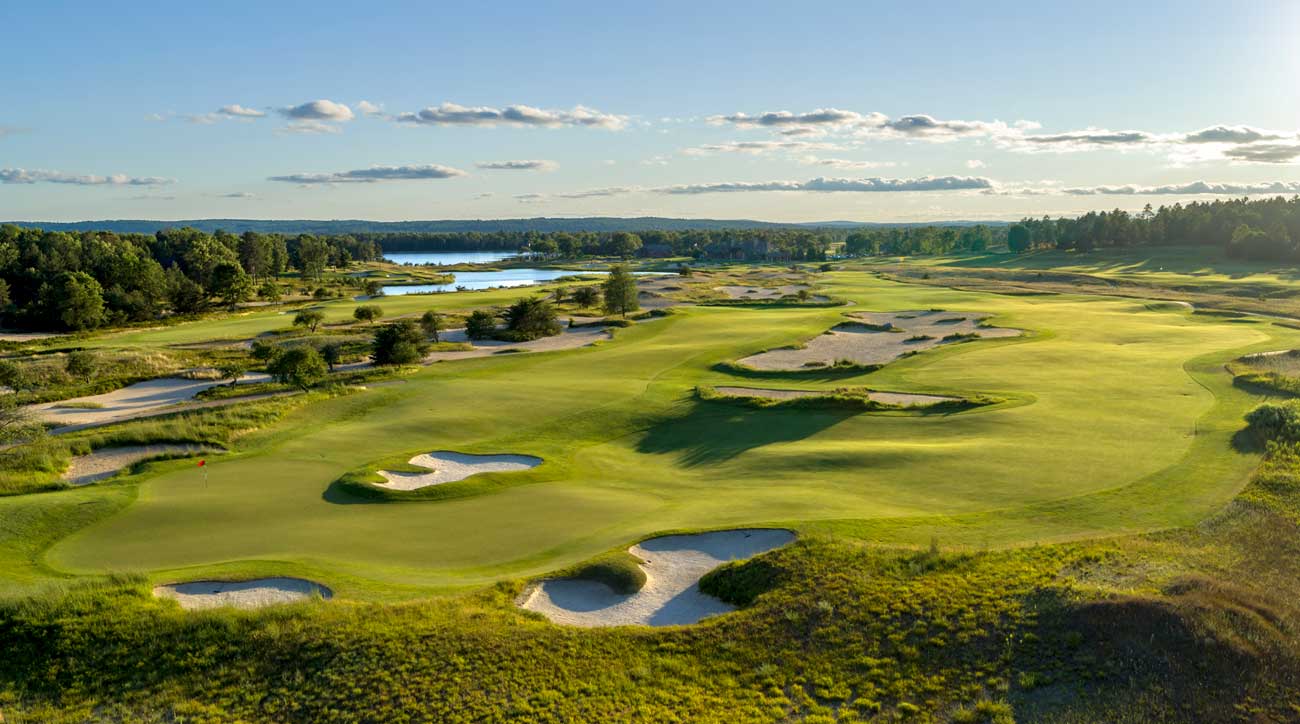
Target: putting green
[[1118, 418]]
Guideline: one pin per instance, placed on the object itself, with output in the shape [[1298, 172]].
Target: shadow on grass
[[714, 432]]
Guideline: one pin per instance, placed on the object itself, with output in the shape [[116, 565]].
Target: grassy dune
[[1118, 419]]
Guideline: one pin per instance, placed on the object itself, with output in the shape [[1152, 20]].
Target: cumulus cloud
[[758, 147], [844, 163], [37, 176], [1193, 188], [925, 127], [374, 174], [1088, 139], [237, 111], [452, 114], [974, 163], [1264, 153], [370, 109], [828, 185], [309, 128], [1232, 134], [321, 110], [525, 165], [597, 193], [805, 121]]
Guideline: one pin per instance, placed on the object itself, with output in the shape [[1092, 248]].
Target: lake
[[450, 257], [485, 280]]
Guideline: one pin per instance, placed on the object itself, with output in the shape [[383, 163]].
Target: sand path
[[671, 596], [104, 463]]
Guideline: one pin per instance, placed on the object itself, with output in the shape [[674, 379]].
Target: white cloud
[[374, 174], [321, 110], [1193, 188], [530, 198], [596, 193], [237, 111], [827, 185], [370, 109], [308, 127], [844, 163], [784, 119], [525, 165], [974, 163], [238, 195], [515, 115], [36, 176], [1264, 153], [759, 147], [1233, 134]]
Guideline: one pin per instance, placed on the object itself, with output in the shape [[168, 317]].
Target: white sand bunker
[[446, 467], [100, 464], [877, 338], [128, 402], [674, 565], [568, 338], [256, 593], [902, 399]]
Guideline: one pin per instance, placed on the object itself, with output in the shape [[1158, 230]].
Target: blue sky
[[875, 111]]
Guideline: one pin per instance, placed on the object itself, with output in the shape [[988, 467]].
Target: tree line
[[57, 280]]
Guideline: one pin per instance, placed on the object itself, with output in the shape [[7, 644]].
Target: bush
[[301, 367], [586, 296], [530, 318], [367, 313], [399, 343], [81, 364], [481, 324], [1275, 421]]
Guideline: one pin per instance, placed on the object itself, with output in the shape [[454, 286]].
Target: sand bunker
[[902, 399], [877, 338], [449, 467], [569, 338], [86, 469], [129, 402], [671, 596], [256, 593], [739, 292]]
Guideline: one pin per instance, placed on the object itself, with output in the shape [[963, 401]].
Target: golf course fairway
[[1114, 416]]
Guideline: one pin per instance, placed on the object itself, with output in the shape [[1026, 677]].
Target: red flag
[[202, 463]]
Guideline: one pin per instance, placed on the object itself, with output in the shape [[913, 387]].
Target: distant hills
[[540, 224]]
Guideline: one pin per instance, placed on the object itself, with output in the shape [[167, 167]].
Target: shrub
[[431, 324], [399, 343], [367, 313], [481, 324], [531, 318], [81, 364], [269, 291], [586, 296], [1275, 421], [301, 367]]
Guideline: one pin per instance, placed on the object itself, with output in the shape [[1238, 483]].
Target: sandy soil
[[86, 469], [256, 593], [860, 343], [26, 336], [739, 292], [133, 401], [671, 596], [904, 399], [566, 339], [447, 467]]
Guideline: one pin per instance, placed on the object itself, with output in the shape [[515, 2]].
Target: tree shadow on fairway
[[713, 433]]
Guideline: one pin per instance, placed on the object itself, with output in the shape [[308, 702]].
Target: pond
[[450, 257], [485, 280]]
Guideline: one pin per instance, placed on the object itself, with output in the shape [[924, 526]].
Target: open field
[[629, 452]]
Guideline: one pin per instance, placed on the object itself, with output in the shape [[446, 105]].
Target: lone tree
[[77, 299], [301, 367], [232, 371], [269, 291], [399, 343], [367, 313], [1018, 238], [588, 296], [431, 323], [620, 291], [309, 318], [481, 324], [530, 318], [332, 353]]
